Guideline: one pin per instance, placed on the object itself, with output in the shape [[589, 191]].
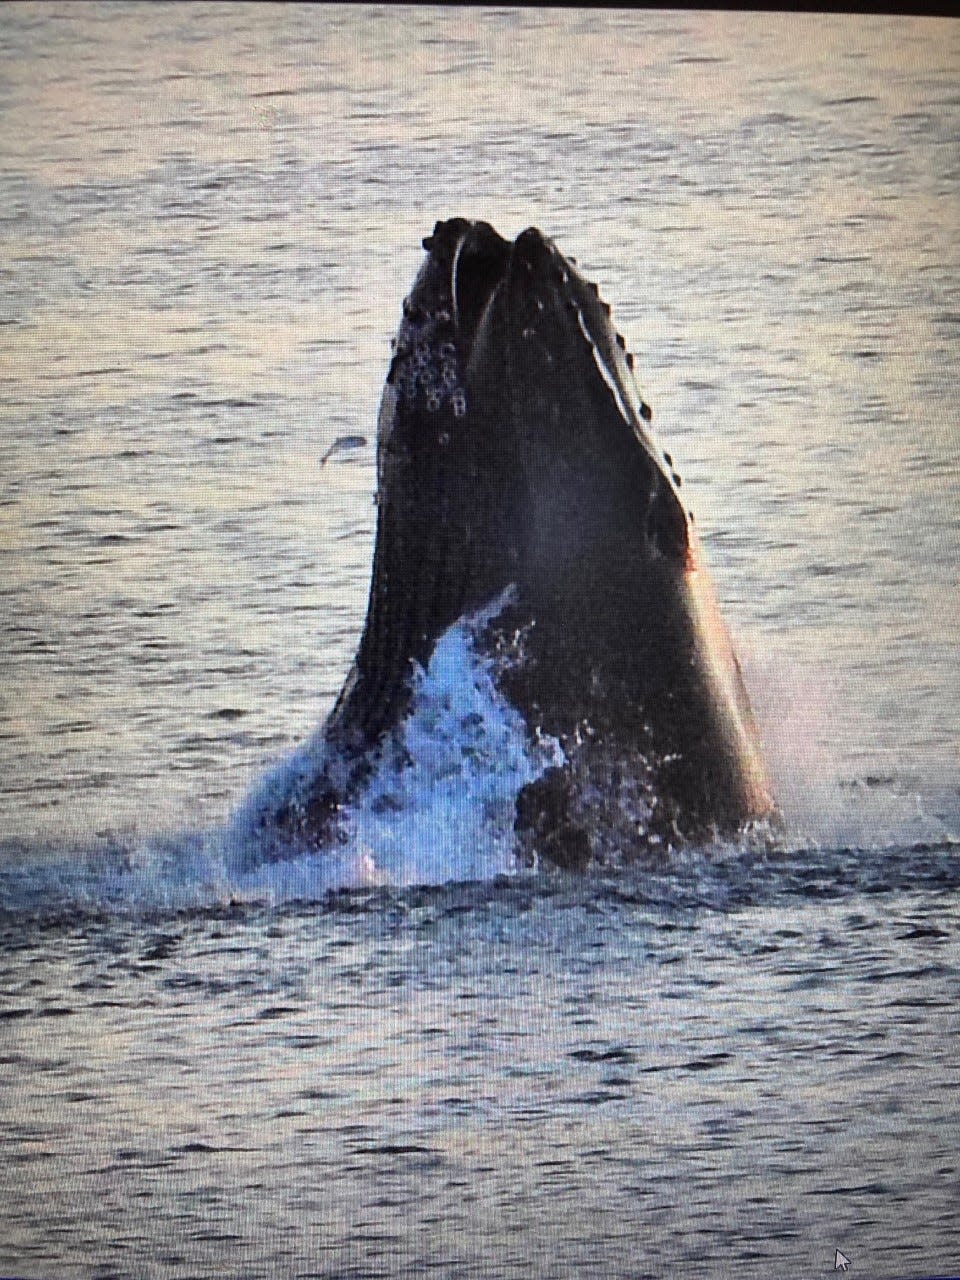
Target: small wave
[[186, 876], [439, 809]]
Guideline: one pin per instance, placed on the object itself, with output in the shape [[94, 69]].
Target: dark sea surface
[[406, 1058]]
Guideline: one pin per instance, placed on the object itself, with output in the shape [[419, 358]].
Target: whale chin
[[519, 487]]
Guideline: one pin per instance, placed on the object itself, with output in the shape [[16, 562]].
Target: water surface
[[209, 217]]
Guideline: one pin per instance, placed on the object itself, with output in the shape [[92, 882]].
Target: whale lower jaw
[[521, 496]]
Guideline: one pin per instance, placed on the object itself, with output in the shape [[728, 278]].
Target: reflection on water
[[584, 1079], [209, 216]]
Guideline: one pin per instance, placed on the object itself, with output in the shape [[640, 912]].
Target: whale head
[[511, 395], [518, 479]]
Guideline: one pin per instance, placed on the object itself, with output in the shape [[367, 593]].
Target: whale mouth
[[467, 264], [470, 267], [478, 296]]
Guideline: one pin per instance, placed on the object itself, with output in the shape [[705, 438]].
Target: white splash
[[441, 803], [438, 807]]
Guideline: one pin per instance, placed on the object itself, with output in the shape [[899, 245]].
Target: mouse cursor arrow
[[841, 1262]]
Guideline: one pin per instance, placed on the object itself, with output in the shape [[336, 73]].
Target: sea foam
[[439, 804]]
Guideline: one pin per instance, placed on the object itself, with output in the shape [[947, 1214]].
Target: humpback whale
[[518, 482]]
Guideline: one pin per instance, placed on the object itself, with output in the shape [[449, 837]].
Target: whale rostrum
[[517, 474]]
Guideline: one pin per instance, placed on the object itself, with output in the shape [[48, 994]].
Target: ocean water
[[406, 1058]]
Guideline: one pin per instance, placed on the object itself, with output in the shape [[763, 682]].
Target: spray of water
[[827, 801], [438, 807], [441, 799]]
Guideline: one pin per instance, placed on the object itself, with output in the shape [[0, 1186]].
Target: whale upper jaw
[[469, 267], [521, 311]]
